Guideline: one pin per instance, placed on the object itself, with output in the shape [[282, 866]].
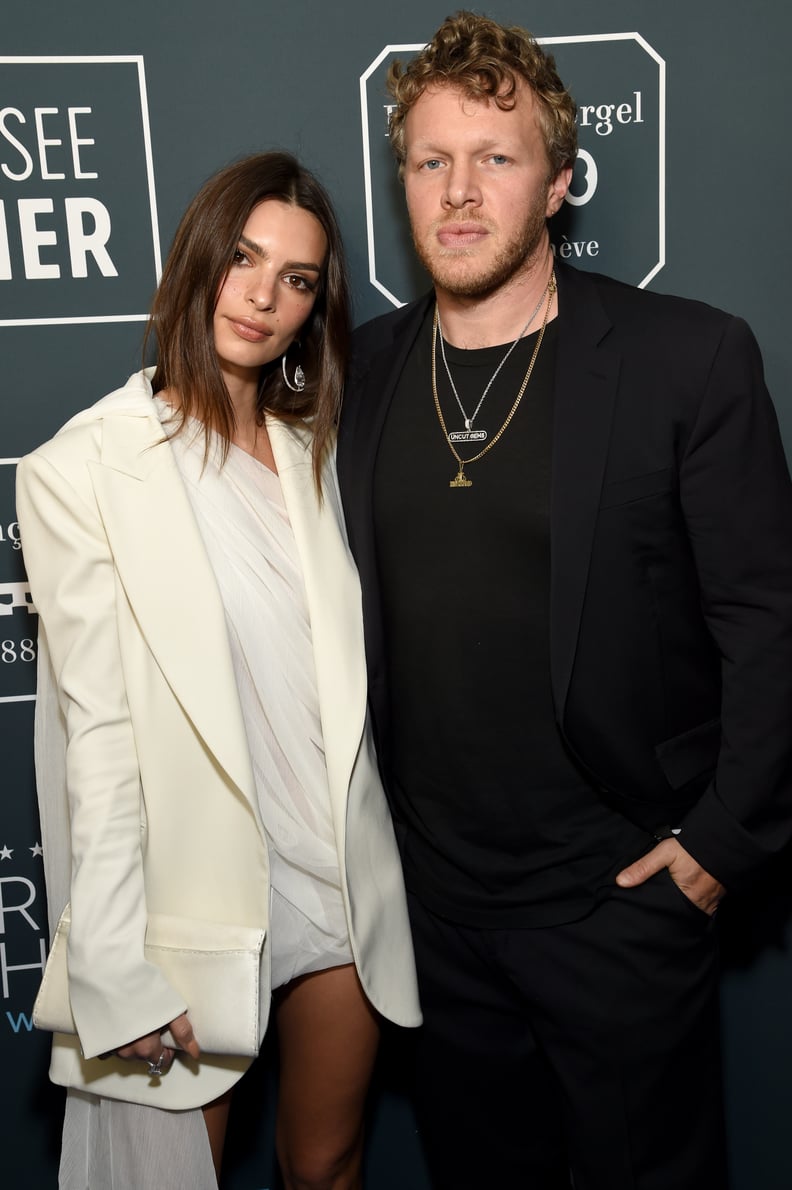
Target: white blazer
[[144, 779]]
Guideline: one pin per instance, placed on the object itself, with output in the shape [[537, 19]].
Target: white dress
[[245, 527], [114, 1145]]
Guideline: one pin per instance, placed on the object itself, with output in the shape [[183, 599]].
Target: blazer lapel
[[162, 564], [333, 596], [586, 379]]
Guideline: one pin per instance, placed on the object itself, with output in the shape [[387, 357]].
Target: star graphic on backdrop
[[6, 852], [37, 850]]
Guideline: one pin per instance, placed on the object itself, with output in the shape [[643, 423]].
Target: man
[[572, 517]]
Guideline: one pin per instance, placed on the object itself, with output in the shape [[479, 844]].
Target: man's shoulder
[[385, 328], [630, 305], [659, 334]]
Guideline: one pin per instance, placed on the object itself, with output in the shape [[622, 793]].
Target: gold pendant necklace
[[469, 434], [460, 480]]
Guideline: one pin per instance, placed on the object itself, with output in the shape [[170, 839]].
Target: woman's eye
[[298, 282]]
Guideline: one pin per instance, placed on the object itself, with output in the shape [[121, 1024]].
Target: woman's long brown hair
[[183, 308]]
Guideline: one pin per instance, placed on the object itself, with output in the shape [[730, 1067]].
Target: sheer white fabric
[[245, 527], [112, 1145]]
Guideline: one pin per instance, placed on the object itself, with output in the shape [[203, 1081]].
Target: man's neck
[[498, 317]]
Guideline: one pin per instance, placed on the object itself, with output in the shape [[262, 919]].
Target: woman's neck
[[250, 433]]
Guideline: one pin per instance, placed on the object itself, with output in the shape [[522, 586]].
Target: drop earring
[[299, 376]]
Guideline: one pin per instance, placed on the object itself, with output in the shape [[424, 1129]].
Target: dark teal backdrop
[[110, 118]]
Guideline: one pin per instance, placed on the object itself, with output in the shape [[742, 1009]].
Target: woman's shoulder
[[80, 438]]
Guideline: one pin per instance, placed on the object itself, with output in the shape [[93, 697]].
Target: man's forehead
[[516, 97], [519, 103]]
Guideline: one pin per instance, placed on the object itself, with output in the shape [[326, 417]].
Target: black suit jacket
[[671, 556]]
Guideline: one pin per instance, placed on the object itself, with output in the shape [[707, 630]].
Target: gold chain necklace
[[460, 480], [482, 434]]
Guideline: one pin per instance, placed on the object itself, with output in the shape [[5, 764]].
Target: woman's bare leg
[[216, 1120], [328, 1035]]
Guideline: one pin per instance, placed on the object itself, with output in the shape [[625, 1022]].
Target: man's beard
[[449, 273]]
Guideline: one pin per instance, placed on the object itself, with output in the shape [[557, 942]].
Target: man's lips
[[461, 235], [249, 329]]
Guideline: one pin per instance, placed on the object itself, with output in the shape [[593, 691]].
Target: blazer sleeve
[[737, 501], [116, 995]]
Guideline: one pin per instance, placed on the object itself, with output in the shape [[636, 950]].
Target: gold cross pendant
[[459, 480]]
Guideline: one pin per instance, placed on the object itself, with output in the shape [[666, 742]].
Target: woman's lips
[[246, 328]]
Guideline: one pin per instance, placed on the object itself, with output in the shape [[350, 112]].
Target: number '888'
[[22, 650]]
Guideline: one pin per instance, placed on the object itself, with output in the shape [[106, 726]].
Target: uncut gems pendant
[[459, 480], [467, 435]]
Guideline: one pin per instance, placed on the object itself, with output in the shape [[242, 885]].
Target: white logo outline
[[36, 60]]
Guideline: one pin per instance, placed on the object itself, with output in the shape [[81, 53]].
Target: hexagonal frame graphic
[[648, 49]]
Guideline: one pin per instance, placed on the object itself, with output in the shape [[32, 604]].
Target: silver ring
[[155, 1068]]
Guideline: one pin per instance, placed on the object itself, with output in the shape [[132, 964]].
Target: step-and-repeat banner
[[110, 120]]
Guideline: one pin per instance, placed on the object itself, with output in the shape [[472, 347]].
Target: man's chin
[[462, 278], [478, 273], [466, 277], [471, 285]]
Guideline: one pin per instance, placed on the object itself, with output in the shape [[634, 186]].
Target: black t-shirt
[[498, 825]]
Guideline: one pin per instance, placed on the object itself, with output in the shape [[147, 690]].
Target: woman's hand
[[159, 1056]]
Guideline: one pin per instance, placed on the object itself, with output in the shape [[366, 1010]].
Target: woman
[[203, 754]]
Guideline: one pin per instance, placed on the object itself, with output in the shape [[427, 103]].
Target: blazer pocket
[[691, 754], [639, 487], [214, 966]]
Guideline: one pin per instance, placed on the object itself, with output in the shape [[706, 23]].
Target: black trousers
[[585, 1054]]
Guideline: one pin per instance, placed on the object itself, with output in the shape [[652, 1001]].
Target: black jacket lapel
[[586, 379]]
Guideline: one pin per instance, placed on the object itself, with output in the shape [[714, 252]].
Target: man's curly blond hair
[[487, 61]]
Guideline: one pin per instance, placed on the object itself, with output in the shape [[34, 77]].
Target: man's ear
[[557, 190]]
